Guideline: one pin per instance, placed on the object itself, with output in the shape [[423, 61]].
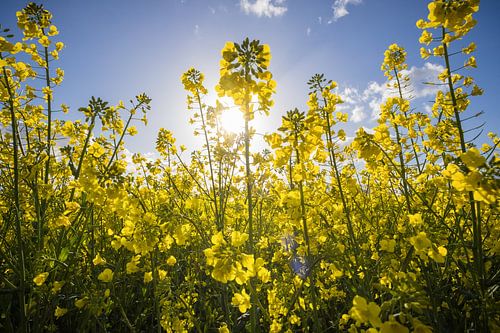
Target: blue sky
[[116, 49]]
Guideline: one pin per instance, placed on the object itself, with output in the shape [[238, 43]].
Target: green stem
[[218, 219], [49, 115], [82, 154], [253, 296], [49, 146], [476, 223], [155, 293], [17, 207], [306, 235], [253, 314], [400, 155], [333, 162]]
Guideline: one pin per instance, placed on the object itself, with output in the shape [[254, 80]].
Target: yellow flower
[[61, 222], [238, 238], [98, 260], [263, 274], [365, 312], [224, 329], [71, 206], [469, 49], [472, 158], [242, 275], [59, 46], [275, 327], [426, 37], [418, 327], [242, 301], [393, 327], [106, 275], [182, 234], [469, 182], [224, 270], [171, 261], [387, 245], [81, 302], [40, 278], [132, 130], [394, 58], [53, 31], [471, 62], [247, 260], [96, 150], [443, 76], [420, 242], [486, 194], [421, 24], [44, 41], [60, 312], [415, 219], [148, 277], [162, 274], [56, 286], [476, 91], [131, 266], [438, 256], [438, 51]]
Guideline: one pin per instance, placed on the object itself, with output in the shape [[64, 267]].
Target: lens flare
[[232, 121]]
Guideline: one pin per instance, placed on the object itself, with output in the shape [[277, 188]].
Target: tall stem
[[218, 219], [400, 155], [253, 314], [476, 223], [249, 186], [333, 162], [49, 145], [17, 207], [49, 115], [303, 214]]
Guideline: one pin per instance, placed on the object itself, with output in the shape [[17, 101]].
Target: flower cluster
[[395, 231]]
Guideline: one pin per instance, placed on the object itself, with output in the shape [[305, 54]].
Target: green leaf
[[64, 254]]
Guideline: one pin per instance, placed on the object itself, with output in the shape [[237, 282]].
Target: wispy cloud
[[267, 8], [196, 29], [364, 104], [340, 8], [308, 31]]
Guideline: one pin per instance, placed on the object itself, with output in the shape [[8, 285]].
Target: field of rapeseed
[[395, 232]]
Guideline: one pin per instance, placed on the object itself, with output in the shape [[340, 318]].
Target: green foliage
[[396, 231]]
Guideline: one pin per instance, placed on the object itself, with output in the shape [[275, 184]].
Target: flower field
[[395, 231]]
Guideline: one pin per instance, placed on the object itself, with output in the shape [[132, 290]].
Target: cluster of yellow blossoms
[[394, 232]]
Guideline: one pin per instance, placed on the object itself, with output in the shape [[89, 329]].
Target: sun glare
[[232, 120]]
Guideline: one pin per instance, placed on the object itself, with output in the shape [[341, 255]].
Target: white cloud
[[196, 29], [358, 114], [421, 76], [132, 168], [360, 103], [308, 31], [320, 20], [340, 8], [267, 8]]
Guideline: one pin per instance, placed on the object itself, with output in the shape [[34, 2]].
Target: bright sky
[[116, 49]]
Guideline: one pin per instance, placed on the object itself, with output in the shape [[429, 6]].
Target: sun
[[232, 120]]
